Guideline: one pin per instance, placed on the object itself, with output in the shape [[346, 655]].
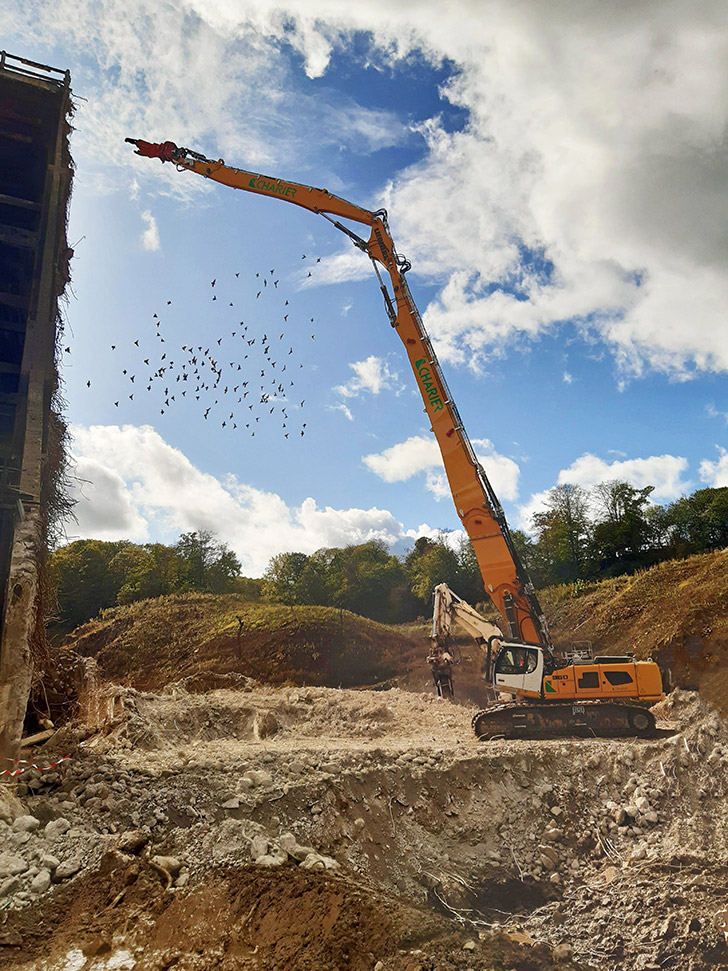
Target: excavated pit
[[331, 829]]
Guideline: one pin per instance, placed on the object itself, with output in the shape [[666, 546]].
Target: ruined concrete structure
[[35, 182]]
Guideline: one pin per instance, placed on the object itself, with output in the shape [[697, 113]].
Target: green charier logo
[[272, 185], [425, 375]]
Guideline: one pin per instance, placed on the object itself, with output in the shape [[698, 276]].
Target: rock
[[49, 861], [632, 811], [265, 723], [556, 811], [562, 952], [548, 856], [25, 824], [315, 861], [651, 817], [290, 845], [258, 777], [271, 859], [133, 841], [639, 852], [642, 803], [554, 834], [554, 878], [11, 865], [9, 886], [259, 846], [182, 880], [169, 863], [66, 870], [56, 827], [41, 882], [296, 768], [610, 874], [233, 803], [469, 946], [669, 927]]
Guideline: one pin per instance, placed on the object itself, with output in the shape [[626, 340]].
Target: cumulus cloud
[[421, 454], [715, 474], [133, 484], [589, 184], [664, 472], [150, 236], [371, 375]]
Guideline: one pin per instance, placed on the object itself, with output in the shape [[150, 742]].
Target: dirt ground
[[300, 828]]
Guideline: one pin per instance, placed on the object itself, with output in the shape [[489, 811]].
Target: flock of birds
[[235, 380]]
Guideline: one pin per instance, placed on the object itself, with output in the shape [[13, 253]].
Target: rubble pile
[[576, 853]]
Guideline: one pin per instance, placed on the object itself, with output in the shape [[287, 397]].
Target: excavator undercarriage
[[588, 719]]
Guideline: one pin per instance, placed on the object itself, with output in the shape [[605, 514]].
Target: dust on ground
[[259, 827]]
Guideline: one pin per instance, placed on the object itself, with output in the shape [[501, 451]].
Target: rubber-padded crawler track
[[584, 718]]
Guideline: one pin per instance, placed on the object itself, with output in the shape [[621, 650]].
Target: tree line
[[614, 528], [581, 534]]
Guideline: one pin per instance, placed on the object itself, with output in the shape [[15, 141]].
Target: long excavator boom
[[476, 503]]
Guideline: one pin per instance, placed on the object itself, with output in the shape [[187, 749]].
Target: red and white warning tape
[[28, 765]]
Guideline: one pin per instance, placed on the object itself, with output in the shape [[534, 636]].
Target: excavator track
[[585, 719]]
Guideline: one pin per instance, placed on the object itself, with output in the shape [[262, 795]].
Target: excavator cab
[[518, 667]]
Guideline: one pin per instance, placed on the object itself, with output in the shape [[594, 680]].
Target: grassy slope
[[648, 611], [676, 612], [151, 643]]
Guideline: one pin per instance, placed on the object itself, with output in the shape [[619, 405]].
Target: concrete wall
[[35, 182]]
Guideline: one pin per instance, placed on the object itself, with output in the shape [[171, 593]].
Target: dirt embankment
[[147, 645], [675, 612]]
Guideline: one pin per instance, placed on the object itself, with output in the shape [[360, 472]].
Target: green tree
[[700, 521], [205, 563], [623, 534], [283, 578], [84, 580], [429, 563], [563, 533]]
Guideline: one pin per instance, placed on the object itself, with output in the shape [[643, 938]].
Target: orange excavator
[[603, 696]]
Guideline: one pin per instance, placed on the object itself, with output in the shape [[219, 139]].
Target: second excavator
[[608, 695]]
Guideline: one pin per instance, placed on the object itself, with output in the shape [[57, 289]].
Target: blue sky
[[559, 183]]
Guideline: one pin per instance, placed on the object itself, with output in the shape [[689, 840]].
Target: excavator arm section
[[480, 512]]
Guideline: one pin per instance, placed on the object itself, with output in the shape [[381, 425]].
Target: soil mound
[[675, 612], [150, 644]]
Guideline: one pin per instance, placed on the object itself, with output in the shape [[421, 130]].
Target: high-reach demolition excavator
[[579, 694]]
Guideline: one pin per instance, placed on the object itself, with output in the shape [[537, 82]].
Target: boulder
[[25, 824]]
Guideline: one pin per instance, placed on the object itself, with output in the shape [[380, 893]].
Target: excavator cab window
[[516, 660]]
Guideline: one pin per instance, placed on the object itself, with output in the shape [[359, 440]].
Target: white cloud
[[712, 412], [150, 236], [138, 485], [567, 378], [421, 453], [715, 474], [664, 472], [371, 375], [344, 409], [105, 508], [589, 183]]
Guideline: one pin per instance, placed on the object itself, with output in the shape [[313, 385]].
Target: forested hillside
[[612, 530]]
